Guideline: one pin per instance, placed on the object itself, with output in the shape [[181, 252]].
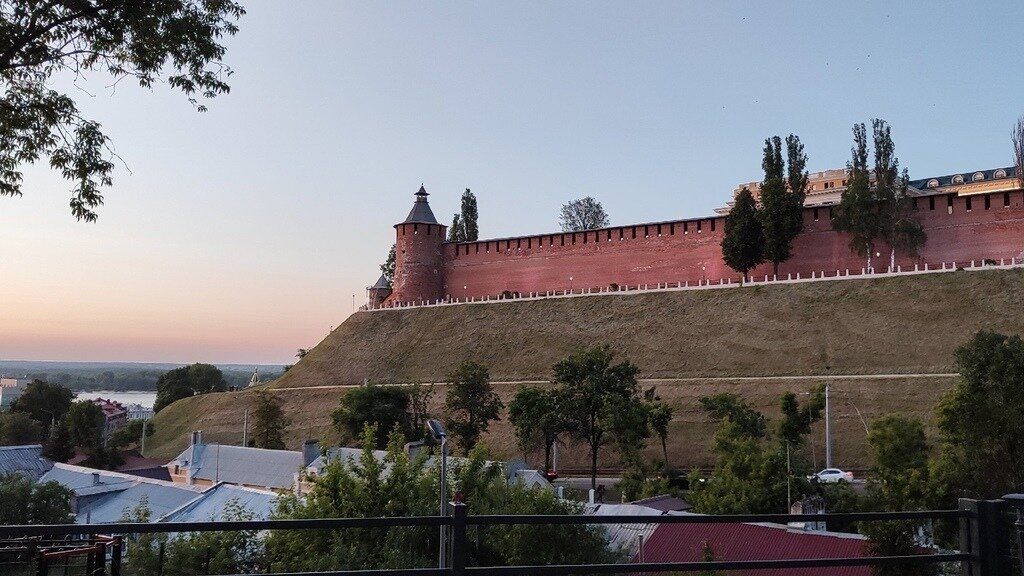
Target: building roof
[[685, 543], [665, 503], [241, 465], [1006, 173], [624, 537], [26, 460], [212, 504], [380, 284], [421, 212]]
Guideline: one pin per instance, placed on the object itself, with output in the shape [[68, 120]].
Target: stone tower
[[419, 256]]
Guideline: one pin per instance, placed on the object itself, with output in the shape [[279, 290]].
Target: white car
[[833, 475]]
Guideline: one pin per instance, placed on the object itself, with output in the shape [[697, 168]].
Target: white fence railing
[[824, 275]]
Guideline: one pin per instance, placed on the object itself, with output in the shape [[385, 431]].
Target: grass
[[884, 326]]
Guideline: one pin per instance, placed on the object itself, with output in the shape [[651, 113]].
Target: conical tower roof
[[381, 284], [421, 212]]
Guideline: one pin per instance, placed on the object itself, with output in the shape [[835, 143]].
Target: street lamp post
[[437, 430], [828, 423]]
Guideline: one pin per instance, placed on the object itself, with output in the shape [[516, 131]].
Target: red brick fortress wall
[[690, 251]]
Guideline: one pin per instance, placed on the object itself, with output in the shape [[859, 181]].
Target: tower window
[[713, 224], [1006, 199], [967, 202], [609, 234], [931, 202], [563, 239], [415, 228], [815, 213], [585, 234], [659, 229], [647, 232], [698, 225], [949, 200], [988, 201], [672, 229], [574, 238]]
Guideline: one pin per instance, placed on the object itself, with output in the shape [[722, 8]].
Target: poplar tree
[[457, 233], [1017, 136], [898, 225], [743, 242], [269, 422], [470, 228], [857, 213], [781, 211]]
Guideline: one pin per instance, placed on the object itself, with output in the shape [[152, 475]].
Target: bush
[[613, 287]]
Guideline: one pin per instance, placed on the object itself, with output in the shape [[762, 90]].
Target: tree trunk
[[664, 451], [775, 270], [547, 457], [593, 467]]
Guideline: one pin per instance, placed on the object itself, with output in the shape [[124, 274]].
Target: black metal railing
[[986, 540]]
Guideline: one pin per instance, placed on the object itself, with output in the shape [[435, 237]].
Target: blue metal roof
[[212, 504], [26, 460], [242, 465]]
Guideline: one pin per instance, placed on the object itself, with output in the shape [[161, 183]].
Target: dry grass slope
[[886, 326]]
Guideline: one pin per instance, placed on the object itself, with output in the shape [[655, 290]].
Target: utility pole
[[828, 430], [245, 428], [142, 441]]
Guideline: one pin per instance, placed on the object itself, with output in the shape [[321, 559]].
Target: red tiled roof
[[685, 543]]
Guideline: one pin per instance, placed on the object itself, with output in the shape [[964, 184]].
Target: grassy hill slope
[[884, 326], [891, 325]]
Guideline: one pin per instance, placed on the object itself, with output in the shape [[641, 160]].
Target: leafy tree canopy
[[472, 404], [187, 381], [980, 424], [583, 214], [388, 267], [44, 402], [386, 407], [175, 42], [743, 241], [23, 501], [17, 428], [538, 417], [268, 422]]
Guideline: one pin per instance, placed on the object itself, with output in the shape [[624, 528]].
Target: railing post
[[458, 543], [981, 537], [115, 556]]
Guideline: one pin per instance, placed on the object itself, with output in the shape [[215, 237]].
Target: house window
[[967, 202], [958, 179], [815, 212], [978, 177], [1000, 173], [988, 201], [844, 182], [933, 183]]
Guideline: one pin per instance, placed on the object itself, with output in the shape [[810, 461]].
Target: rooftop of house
[[26, 460], [241, 465], [685, 543], [106, 497]]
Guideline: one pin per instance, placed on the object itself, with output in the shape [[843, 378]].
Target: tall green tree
[[44, 402], [857, 213], [979, 420], [591, 382], [743, 241], [387, 269], [731, 407], [186, 382], [1017, 137], [269, 422], [899, 227], [385, 407], [797, 419], [470, 216], [471, 403], [456, 233], [782, 198], [582, 214], [538, 416], [661, 417], [172, 42]]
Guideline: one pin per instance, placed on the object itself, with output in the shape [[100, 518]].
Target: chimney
[[310, 451], [197, 437], [95, 478]]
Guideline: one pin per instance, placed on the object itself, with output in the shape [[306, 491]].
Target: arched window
[[1000, 173], [978, 176], [958, 179], [933, 183]]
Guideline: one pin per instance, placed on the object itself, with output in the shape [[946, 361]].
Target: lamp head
[[437, 429]]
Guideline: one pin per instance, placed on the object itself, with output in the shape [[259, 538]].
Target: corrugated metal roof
[[242, 465], [26, 460], [210, 506], [161, 499], [665, 503], [685, 543], [625, 537]]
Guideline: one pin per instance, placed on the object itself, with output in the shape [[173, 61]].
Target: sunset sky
[[243, 233]]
